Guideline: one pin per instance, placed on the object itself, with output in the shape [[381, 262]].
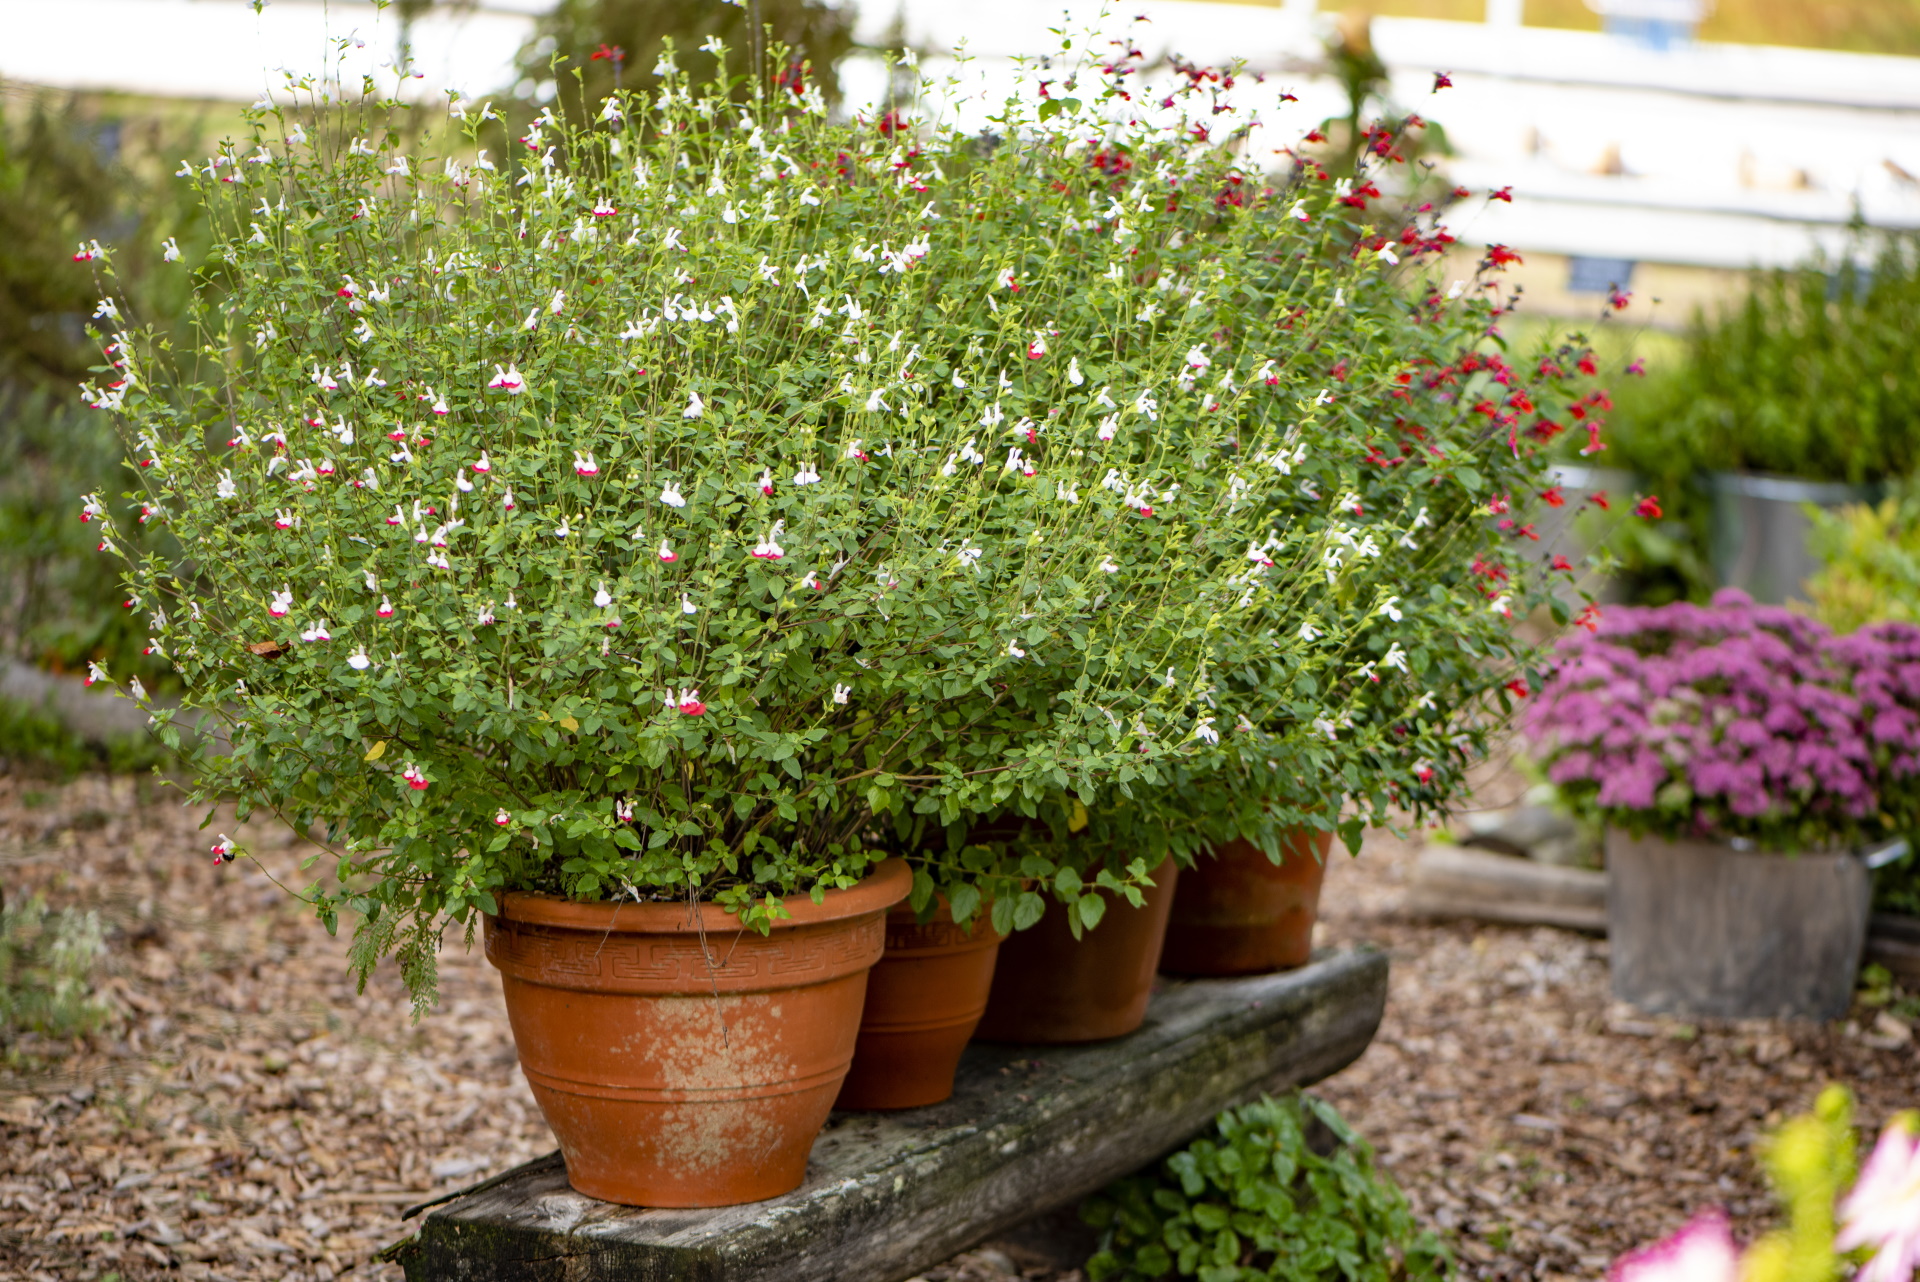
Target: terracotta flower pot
[[1051, 988], [678, 1071], [923, 999], [1239, 913]]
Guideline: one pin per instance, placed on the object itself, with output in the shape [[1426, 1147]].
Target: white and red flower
[[416, 780]]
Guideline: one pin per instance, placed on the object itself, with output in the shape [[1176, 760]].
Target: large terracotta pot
[[1239, 913], [1051, 988], [681, 1060], [923, 999]]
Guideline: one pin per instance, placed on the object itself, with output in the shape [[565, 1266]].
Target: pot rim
[[885, 886]]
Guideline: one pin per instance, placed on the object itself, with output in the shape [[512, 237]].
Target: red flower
[[1553, 497], [1599, 499], [1638, 369], [611, 53], [1442, 80], [1528, 531], [1461, 193], [1505, 193], [1587, 366], [1315, 135], [1589, 618], [1519, 687], [1500, 256], [1648, 507], [1561, 563], [1618, 299]]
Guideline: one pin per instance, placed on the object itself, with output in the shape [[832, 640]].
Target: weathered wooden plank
[[1029, 1129], [1894, 942], [1457, 881]]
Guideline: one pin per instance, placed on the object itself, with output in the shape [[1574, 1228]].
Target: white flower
[[1204, 731], [1013, 649], [1425, 702], [687, 606], [1391, 608], [172, 251], [564, 529], [695, 407], [1074, 375], [806, 476], [1883, 1210], [1327, 728], [358, 660], [1109, 567], [1308, 632], [1386, 255], [602, 598], [968, 555], [316, 631], [769, 549], [1395, 657], [226, 489], [666, 551], [840, 693], [485, 615], [671, 496], [281, 603], [96, 673]]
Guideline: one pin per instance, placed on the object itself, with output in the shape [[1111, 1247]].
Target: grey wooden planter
[[1698, 928], [1760, 530]]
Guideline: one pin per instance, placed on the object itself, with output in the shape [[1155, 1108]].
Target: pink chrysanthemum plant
[[1736, 721], [706, 499]]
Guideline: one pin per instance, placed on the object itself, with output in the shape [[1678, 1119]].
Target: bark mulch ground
[[244, 1114]]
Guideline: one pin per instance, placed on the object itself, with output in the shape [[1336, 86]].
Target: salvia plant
[[709, 499], [1736, 721]]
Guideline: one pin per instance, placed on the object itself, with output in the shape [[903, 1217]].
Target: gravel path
[[245, 1115]]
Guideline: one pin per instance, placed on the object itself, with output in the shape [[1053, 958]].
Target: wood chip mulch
[[244, 1114]]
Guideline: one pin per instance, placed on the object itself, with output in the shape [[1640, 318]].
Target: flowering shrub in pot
[[1716, 742], [712, 500]]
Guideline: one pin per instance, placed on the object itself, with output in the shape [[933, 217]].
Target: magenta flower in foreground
[[1703, 1251], [1883, 1211]]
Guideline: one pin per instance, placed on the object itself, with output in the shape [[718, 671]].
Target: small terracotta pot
[[1053, 989], [681, 1060], [1239, 913], [923, 999]]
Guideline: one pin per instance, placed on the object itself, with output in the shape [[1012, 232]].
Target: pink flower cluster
[[1735, 720]]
